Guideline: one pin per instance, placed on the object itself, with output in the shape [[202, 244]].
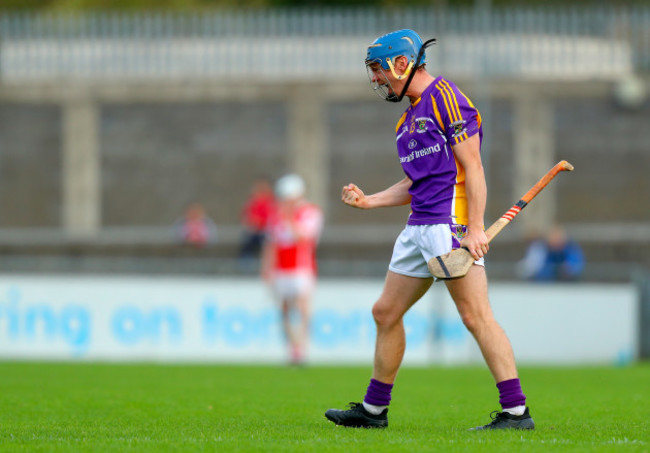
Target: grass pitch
[[107, 407]]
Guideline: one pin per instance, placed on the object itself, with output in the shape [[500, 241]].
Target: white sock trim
[[517, 410], [374, 410]]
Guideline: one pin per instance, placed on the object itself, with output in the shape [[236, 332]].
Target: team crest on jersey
[[423, 124], [419, 125], [459, 231], [458, 127]]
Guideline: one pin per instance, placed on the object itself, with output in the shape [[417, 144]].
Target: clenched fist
[[353, 196]]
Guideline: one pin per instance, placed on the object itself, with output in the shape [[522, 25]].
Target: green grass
[[107, 407]]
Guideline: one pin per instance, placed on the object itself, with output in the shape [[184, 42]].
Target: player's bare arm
[[468, 154], [395, 195]]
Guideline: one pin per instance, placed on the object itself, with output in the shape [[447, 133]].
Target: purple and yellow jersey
[[441, 118]]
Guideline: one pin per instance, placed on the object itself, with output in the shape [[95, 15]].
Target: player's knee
[[470, 322], [474, 320], [384, 315]]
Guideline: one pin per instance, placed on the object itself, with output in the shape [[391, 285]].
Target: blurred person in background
[[289, 260], [554, 258], [195, 228], [255, 217], [438, 142]]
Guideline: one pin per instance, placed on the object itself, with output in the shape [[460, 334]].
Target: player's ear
[[401, 63]]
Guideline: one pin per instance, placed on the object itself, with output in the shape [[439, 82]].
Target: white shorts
[[417, 244], [290, 285]]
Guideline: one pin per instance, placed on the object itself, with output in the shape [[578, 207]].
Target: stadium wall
[[126, 319]]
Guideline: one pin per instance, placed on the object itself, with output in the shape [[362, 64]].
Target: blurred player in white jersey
[[289, 259]]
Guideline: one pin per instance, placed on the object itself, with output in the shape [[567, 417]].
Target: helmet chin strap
[[410, 70]]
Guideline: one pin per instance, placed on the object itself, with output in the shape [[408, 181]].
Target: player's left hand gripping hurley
[[457, 263]]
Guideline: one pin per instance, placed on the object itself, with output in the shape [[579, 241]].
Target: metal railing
[[574, 43]]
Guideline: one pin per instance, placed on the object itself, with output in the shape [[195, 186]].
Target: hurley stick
[[457, 263]]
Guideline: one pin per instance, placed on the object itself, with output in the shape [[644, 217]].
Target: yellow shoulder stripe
[[455, 101], [444, 98], [469, 101], [437, 113], [400, 122]]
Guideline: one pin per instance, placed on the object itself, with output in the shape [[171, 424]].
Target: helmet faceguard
[[381, 58]]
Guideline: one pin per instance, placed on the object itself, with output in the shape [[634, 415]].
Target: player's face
[[376, 73], [380, 80]]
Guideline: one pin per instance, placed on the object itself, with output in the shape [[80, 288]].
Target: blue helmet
[[401, 42]]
